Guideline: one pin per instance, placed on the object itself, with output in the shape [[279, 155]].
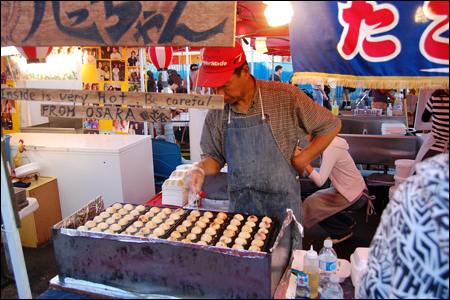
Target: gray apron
[[260, 179]]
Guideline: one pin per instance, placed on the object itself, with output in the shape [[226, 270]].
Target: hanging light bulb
[[278, 12]]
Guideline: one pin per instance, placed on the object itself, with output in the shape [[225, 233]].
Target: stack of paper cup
[[402, 169]]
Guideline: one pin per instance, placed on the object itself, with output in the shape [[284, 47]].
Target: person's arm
[[325, 97], [317, 146], [426, 115]]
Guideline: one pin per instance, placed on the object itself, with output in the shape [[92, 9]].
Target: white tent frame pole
[[11, 235], [188, 72], [142, 64]]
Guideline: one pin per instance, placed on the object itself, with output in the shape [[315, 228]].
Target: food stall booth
[[145, 265]]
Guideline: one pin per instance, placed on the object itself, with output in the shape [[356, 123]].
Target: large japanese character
[[128, 12], [433, 43], [156, 21], [361, 21]]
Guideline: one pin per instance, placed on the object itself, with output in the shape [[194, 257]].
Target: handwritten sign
[[115, 98], [106, 113], [118, 23]]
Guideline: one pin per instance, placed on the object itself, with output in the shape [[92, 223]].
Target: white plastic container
[[359, 261], [403, 168]]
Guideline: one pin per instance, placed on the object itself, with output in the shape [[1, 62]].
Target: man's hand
[[193, 181]]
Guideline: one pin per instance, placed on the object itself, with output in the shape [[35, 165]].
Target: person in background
[[411, 104], [346, 103], [319, 94], [256, 134], [437, 110], [408, 256], [124, 126], [381, 98], [90, 60], [94, 87], [115, 72], [107, 73], [116, 126], [175, 83], [131, 129], [132, 60], [9, 107], [160, 84], [348, 192], [100, 72], [115, 54], [151, 82], [194, 69], [276, 76]]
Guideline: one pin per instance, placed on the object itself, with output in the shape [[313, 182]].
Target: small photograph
[[116, 53], [136, 128], [134, 87], [3, 77], [9, 106], [107, 132], [133, 75], [132, 57], [90, 56], [103, 70], [112, 87], [90, 86], [120, 126], [7, 123], [118, 70], [90, 131], [90, 124]]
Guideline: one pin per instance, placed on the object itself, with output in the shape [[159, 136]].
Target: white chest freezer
[[118, 167]]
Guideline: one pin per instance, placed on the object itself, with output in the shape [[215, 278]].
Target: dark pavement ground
[[41, 265]]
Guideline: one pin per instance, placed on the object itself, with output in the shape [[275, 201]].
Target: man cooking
[[256, 135]]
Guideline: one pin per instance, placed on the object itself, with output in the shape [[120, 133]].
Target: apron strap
[[370, 208], [262, 108]]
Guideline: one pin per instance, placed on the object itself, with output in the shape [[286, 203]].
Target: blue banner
[[371, 44]]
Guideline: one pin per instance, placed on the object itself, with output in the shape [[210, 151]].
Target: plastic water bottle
[[333, 289], [389, 110], [335, 109], [302, 291], [398, 105], [311, 267], [327, 263]]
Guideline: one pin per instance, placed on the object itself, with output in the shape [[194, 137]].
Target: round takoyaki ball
[[131, 229], [128, 206], [138, 224], [167, 210], [123, 211], [105, 215], [122, 222], [145, 230], [240, 241], [204, 219], [98, 219], [263, 231], [115, 227], [111, 210], [180, 211], [252, 218], [225, 239], [206, 237], [164, 226], [82, 228], [260, 236], [244, 234], [175, 234], [221, 244], [258, 243], [208, 214], [150, 225], [186, 241], [232, 227], [202, 243], [196, 230], [102, 225], [218, 221], [175, 216], [108, 231], [229, 233], [143, 218], [155, 209], [169, 221], [215, 225], [211, 231], [254, 249], [153, 236], [181, 228], [247, 228], [267, 219], [162, 215], [238, 247], [171, 238], [191, 236], [117, 206], [222, 215], [129, 217], [250, 223], [140, 234], [191, 218], [140, 207], [200, 224], [235, 222], [195, 213], [135, 212], [90, 224], [238, 217], [149, 214], [264, 224], [116, 216], [159, 231], [157, 219], [96, 229]]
